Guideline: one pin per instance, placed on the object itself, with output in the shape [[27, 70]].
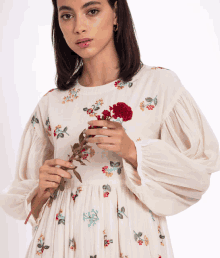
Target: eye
[[94, 10], [70, 15], [63, 16]]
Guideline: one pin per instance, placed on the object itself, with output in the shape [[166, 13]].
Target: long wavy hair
[[69, 65]]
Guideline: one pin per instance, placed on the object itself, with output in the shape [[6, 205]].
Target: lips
[[84, 41]]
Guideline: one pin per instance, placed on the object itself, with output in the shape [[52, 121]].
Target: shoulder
[[48, 92], [161, 79], [168, 81]]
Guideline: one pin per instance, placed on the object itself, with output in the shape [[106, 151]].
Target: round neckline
[[95, 90]]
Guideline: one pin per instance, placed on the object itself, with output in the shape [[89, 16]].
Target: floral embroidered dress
[[116, 211]]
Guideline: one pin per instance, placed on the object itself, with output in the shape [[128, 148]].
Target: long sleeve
[[174, 171], [34, 149]]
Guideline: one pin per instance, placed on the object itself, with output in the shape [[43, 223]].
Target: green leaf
[[135, 237], [108, 188], [120, 216], [162, 237], [148, 99]]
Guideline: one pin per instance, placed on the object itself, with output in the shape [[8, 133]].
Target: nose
[[79, 25]]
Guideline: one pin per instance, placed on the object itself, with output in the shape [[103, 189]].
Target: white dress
[[117, 210]]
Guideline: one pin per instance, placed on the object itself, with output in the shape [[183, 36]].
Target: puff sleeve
[[34, 148], [175, 169]]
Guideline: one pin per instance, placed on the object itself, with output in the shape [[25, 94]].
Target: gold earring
[[115, 29]]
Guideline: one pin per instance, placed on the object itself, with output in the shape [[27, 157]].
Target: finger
[[60, 172], [54, 178], [50, 184], [57, 162], [102, 131], [105, 123]]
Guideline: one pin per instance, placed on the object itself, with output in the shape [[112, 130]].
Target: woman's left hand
[[117, 141]]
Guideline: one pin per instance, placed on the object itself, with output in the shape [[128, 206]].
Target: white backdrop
[[182, 36]]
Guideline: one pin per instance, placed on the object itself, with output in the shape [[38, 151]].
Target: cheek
[[67, 35], [103, 30]]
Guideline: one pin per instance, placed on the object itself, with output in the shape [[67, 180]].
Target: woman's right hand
[[50, 176]]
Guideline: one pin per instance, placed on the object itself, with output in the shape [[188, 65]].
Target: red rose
[[106, 113], [122, 110]]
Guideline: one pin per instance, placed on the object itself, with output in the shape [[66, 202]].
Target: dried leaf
[[61, 184], [78, 176], [81, 137], [76, 145]]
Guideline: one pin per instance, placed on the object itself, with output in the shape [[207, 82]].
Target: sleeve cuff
[[34, 223], [131, 173]]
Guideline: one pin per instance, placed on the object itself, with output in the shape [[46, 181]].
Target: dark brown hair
[[68, 62]]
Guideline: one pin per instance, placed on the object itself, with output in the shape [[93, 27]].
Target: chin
[[86, 54]]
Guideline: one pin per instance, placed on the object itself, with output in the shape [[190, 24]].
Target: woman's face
[[93, 21]]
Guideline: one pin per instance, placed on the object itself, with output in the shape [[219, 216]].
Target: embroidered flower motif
[[150, 107], [34, 120], [120, 84], [59, 133], [50, 91], [60, 218], [122, 256], [161, 236], [92, 218], [106, 190], [104, 154], [140, 241], [104, 170], [154, 68], [72, 95], [41, 245], [106, 241], [48, 127], [90, 111], [79, 189], [114, 167], [72, 244], [120, 212]]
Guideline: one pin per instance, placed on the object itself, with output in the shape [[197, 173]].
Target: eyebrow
[[64, 7]]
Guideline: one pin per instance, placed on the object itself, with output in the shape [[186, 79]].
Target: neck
[[100, 69]]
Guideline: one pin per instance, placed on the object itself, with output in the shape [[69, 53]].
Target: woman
[[153, 160]]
